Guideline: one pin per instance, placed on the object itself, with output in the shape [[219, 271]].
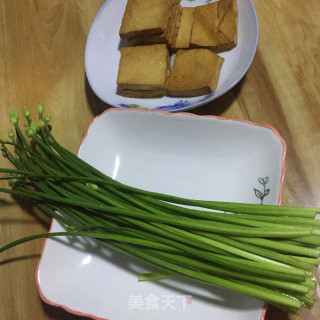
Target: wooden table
[[42, 60]]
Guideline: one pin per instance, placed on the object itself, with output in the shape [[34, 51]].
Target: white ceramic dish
[[102, 56], [202, 157]]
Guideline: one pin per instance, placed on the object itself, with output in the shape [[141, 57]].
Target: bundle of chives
[[277, 246]]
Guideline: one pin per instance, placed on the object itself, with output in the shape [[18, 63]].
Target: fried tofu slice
[[164, 36], [215, 26], [228, 24], [143, 93], [182, 40], [195, 72], [205, 26], [172, 35], [144, 18], [154, 39], [143, 67]]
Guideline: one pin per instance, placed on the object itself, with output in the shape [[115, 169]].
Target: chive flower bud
[[40, 109], [41, 124], [29, 131], [26, 112], [11, 134], [33, 126], [47, 119], [14, 116], [2, 141]]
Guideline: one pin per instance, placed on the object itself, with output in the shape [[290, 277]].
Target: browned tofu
[[205, 26], [164, 36], [144, 18], [182, 40], [228, 24], [172, 34], [215, 26], [195, 72], [154, 39], [143, 67], [143, 93]]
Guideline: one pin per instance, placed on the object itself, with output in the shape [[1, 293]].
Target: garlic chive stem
[[192, 223], [284, 247], [254, 291], [228, 273]]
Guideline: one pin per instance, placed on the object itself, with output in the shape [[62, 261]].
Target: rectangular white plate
[[201, 157]]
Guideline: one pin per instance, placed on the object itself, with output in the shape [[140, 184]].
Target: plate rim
[[45, 299], [205, 99]]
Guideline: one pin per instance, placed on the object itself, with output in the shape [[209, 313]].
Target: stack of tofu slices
[[154, 30]]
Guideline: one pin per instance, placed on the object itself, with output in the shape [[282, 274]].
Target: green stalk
[[279, 246], [283, 220], [98, 235], [302, 241], [191, 223], [274, 271], [257, 292], [214, 215], [225, 272], [236, 248], [216, 205]]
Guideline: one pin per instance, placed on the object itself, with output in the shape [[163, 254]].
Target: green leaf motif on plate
[[262, 194]]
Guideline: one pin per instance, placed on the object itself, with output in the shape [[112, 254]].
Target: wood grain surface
[[42, 46]]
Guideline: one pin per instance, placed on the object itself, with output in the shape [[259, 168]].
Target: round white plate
[[196, 157], [102, 56]]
